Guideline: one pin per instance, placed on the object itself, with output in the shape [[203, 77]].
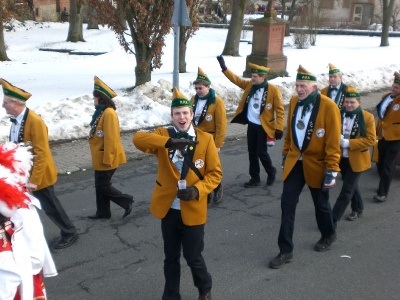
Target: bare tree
[[395, 15], [3, 52], [9, 11], [296, 9], [387, 9], [235, 29], [91, 15], [75, 29]]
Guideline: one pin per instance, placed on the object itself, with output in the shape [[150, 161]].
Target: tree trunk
[[292, 13], [143, 58], [387, 9], [182, 49], [3, 52], [92, 21], [121, 16], [75, 31], [142, 76], [235, 29]]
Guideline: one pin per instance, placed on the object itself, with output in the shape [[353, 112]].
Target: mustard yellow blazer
[[359, 155], [273, 115], [215, 121], [390, 124], [206, 159], [105, 145], [323, 151], [44, 171]]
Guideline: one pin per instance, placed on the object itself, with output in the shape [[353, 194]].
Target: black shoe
[[209, 198], [66, 241], [271, 177], [206, 296], [354, 216], [128, 210], [97, 217], [324, 243], [281, 260], [252, 183], [218, 193]]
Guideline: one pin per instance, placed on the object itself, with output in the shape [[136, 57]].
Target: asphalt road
[[123, 258]]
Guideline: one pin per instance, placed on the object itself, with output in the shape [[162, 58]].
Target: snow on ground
[[62, 83]]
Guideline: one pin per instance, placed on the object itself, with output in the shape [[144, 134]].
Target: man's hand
[[179, 144], [329, 180], [344, 143], [222, 63], [30, 187], [278, 134], [191, 192]]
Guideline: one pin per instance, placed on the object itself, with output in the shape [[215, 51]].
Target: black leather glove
[[278, 134], [222, 63], [191, 192], [283, 160], [329, 180], [179, 144]]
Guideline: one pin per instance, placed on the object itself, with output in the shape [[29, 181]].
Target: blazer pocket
[[364, 150], [396, 123], [272, 120], [159, 184]]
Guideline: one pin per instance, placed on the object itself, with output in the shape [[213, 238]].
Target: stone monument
[[268, 37]]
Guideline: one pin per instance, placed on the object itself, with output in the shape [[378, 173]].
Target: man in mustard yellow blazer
[[336, 90], [358, 134], [183, 153], [311, 155], [261, 108], [107, 152], [388, 133], [209, 116], [27, 127]]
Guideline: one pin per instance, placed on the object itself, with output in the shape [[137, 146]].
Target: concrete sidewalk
[[73, 156]]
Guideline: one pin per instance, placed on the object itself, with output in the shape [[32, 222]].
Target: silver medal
[[300, 124], [100, 133]]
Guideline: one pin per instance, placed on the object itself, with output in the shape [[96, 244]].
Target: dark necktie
[[13, 120], [349, 115], [183, 135]]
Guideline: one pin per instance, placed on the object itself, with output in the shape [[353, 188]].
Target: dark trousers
[[105, 193], [54, 210], [258, 150], [388, 151], [292, 187], [349, 192], [176, 235]]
